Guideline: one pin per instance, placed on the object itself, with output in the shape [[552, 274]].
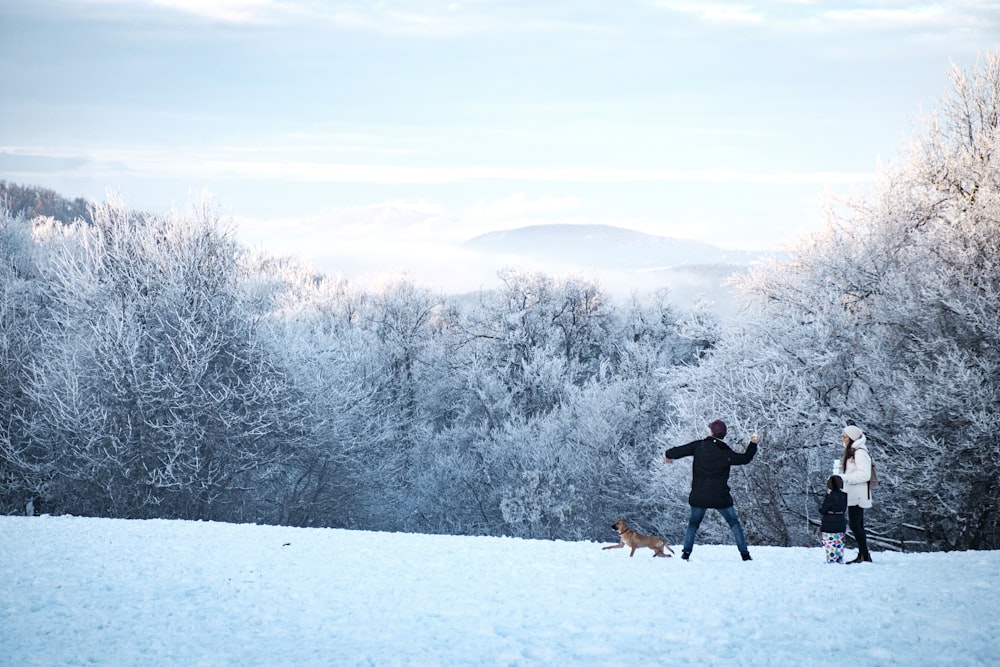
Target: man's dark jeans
[[728, 513]]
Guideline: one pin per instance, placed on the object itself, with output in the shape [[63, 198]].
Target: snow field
[[114, 592]]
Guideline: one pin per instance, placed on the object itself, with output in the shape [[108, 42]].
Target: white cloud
[[419, 175], [869, 18], [416, 21], [519, 204], [162, 162], [397, 18], [714, 12], [387, 222], [385, 174], [417, 239], [224, 11], [394, 18], [829, 16]]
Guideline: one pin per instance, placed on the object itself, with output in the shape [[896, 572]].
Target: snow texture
[[114, 592]]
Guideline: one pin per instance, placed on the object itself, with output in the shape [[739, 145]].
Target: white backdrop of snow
[[114, 592]]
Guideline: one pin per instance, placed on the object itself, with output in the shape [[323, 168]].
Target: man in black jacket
[[710, 482]]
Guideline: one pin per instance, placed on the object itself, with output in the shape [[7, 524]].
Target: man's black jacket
[[710, 471]]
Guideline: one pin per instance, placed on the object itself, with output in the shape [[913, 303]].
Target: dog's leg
[[614, 546]]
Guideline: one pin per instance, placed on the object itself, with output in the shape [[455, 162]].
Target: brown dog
[[635, 540]]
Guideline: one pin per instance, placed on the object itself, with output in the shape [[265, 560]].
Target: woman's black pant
[[856, 517]]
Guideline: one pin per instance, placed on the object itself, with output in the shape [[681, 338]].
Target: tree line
[[32, 201], [155, 368]]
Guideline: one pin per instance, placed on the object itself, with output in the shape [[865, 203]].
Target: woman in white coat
[[856, 470]]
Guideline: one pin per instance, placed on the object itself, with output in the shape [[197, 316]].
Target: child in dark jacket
[[834, 519]]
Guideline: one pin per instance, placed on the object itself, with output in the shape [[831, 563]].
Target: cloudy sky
[[334, 129]]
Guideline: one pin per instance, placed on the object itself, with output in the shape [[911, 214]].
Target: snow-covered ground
[[109, 592]]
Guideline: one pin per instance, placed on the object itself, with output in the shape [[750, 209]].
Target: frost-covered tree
[[888, 319], [23, 308], [370, 362], [556, 404], [153, 392], [538, 335], [156, 369], [333, 364]]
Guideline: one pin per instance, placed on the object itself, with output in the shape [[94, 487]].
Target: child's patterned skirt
[[833, 545]]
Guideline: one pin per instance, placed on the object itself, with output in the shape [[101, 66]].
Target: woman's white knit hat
[[853, 432]]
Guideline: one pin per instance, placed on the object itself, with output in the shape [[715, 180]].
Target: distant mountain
[[625, 261], [604, 247]]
